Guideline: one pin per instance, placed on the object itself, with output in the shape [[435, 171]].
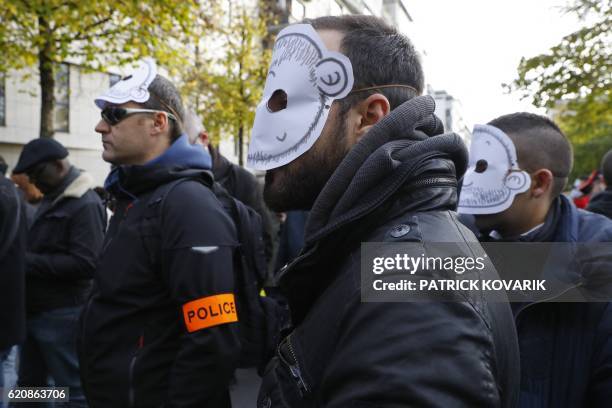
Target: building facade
[[450, 111], [75, 115]]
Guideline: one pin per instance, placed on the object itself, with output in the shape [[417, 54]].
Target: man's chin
[[107, 156], [274, 199], [282, 193], [111, 157], [486, 222]]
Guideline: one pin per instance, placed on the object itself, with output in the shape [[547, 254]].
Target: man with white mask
[[342, 132], [519, 165]]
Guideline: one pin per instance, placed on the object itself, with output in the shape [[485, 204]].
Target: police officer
[[161, 326]]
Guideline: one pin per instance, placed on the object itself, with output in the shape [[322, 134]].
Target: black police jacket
[[395, 185], [153, 332], [64, 241]]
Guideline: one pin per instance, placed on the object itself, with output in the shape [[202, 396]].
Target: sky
[[473, 46]]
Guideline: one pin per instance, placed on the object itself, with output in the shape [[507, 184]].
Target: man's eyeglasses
[[113, 115]]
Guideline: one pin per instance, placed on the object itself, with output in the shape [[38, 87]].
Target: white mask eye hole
[[481, 166], [278, 101]]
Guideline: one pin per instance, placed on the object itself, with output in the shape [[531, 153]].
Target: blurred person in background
[[63, 243], [30, 195], [519, 166], [236, 180], [602, 202]]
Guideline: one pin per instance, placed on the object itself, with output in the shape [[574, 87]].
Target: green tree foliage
[[92, 33], [226, 80], [573, 79]]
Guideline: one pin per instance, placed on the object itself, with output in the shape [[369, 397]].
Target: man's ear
[[541, 183], [160, 122], [371, 111], [203, 138]]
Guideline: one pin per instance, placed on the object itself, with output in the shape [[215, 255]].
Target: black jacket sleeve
[[199, 241], [12, 248], [425, 354], [86, 234], [9, 215]]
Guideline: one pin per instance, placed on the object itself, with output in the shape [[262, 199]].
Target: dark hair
[[539, 144], [379, 54], [3, 166], [165, 97], [606, 168]]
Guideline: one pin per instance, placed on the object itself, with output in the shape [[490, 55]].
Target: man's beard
[[296, 185]]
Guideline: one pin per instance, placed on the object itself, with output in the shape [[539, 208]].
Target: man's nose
[[102, 127]]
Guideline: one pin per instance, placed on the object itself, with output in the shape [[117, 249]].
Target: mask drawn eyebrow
[[272, 73]]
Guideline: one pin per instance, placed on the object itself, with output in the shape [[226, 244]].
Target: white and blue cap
[[134, 87]]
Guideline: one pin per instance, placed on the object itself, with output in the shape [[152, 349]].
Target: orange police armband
[[210, 311]]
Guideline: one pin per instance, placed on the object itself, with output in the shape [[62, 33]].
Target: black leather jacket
[[341, 352]]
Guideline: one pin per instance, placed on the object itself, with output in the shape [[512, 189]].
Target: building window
[[62, 98], [2, 101], [113, 79]]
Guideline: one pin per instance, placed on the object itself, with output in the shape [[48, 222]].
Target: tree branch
[[81, 34]]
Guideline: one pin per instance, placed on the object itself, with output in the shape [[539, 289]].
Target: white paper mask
[[311, 78], [493, 177], [132, 87]]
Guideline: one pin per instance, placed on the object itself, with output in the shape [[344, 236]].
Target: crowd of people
[[157, 290]]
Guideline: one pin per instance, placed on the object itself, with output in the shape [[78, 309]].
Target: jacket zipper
[[131, 392], [442, 181], [294, 366], [518, 313]]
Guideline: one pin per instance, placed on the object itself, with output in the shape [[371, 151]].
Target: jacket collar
[[389, 159], [76, 188], [180, 160]]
